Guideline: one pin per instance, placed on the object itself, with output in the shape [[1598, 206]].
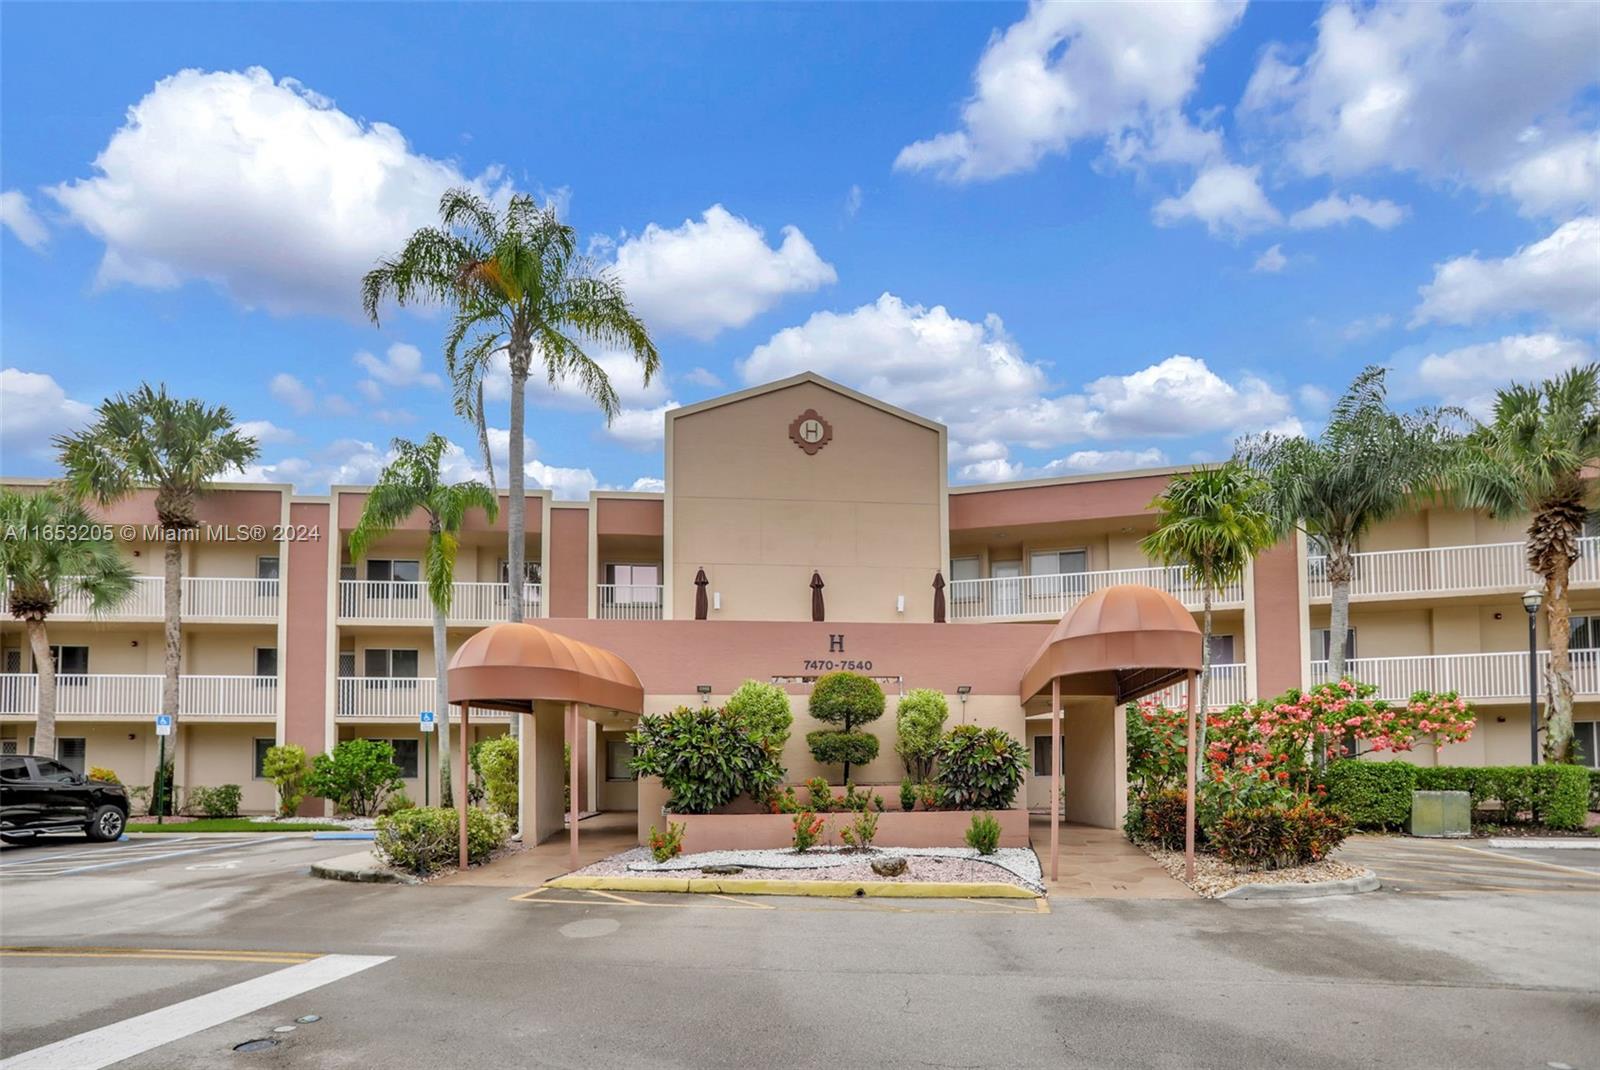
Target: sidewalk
[[1100, 863]]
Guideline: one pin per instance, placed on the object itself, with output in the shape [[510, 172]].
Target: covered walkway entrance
[[552, 681]]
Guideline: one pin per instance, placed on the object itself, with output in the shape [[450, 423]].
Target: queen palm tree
[[515, 284], [1537, 456], [1368, 465], [176, 446], [1213, 521], [410, 483], [48, 552]]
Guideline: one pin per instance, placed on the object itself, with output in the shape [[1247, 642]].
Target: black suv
[[39, 795]]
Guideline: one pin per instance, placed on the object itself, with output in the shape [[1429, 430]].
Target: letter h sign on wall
[[836, 644]]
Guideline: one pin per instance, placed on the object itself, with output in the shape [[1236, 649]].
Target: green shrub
[[908, 794], [1273, 837], [808, 830], [1373, 795], [848, 700], [104, 775], [1555, 796], [919, 724], [766, 713], [829, 747], [980, 768], [220, 801], [820, 797], [983, 835], [498, 761], [704, 756], [428, 838], [858, 835], [163, 792], [1594, 791], [397, 802], [668, 844], [1161, 818], [285, 766], [355, 776], [928, 795]]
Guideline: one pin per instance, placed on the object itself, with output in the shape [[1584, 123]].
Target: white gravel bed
[[1018, 864], [354, 823], [1213, 876]]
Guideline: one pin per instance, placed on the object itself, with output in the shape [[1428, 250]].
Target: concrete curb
[[1367, 882], [829, 888], [361, 867], [1547, 843]]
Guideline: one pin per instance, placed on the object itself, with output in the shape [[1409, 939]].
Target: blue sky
[[1084, 236]]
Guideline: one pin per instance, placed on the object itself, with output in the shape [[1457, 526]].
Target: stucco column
[[525, 776], [461, 785], [573, 786], [1055, 778], [545, 737], [1189, 765]]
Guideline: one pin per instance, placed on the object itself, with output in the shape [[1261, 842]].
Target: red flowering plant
[[808, 830]]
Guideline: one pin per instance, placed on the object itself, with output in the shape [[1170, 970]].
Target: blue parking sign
[[427, 720], [163, 724]]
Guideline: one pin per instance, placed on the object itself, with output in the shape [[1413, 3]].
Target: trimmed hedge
[[1373, 795], [1594, 791], [1556, 796], [842, 748], [428, 838]]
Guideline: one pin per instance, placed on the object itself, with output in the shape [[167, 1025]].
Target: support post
[[572, 790], [1188, 801], [1055, 778], [461, 785]]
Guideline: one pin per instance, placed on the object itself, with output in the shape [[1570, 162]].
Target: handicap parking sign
[[163, 724], [427, 720]]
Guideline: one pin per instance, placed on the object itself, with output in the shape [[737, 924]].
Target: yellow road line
[[728, 902], [741, 903], [615, 896], [1591, 874]]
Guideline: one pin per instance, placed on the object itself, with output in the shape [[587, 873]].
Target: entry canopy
[[1124, 641], [510, 666]]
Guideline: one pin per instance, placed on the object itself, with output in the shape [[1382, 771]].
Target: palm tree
[[48, 553], [1213, 522], [1537, 455], [409, 483], [517, 285], [1368, 465], [176, 446]]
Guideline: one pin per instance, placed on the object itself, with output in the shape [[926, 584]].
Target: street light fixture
[[1531, 599]]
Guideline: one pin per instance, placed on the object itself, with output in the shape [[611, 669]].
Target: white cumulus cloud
[[1557, 277], [1226, 197], [401, 365], [1470, 375], [1334, 210], [651, 484], [265, 432], [717, 272], [33, 409], [1271, 261], [17, 216], [292, 392], [641, 429]]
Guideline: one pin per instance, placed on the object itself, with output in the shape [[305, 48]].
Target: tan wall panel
[[217, 754]]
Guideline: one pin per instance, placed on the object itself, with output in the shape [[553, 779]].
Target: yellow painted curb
[[833, 888]]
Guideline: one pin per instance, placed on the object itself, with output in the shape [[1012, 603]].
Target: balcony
[[390, 698], [1501, 676], [1225, 688], [628, 601], [406, 602], [1491, 567], [1050, 597], [104, 697], [204, 598]]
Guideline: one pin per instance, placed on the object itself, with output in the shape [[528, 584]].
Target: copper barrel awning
[[509, 666], [1123, 641]]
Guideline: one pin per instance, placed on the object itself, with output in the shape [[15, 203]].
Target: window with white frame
[[966, 568], [1222, 650], [530, 571], [619, 752], [1057, 562], [635, 585], [405, 756], [266, 665], [1041, 755], [1586, 743], [71, 752], [69, 660], [398, 664], [261, 746], [1321, 644]]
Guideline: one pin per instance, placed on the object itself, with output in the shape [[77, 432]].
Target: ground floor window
[[405, 756], [261, 748], [619, 752], [1041, 755], [1586, 739], [71, 751]]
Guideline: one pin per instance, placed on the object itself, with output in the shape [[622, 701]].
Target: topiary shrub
[[428, 838], [919, 724], [497, 759], [704, 756], [355, 776], [983, 835], [285, 766], [765, 710], [849, 700], [849, 748], [980, 768], [1373, 795]]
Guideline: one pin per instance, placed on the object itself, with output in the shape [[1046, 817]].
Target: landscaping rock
[[721, 871], [889, 867]]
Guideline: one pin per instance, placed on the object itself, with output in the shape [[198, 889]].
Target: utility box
[[1441, 813]]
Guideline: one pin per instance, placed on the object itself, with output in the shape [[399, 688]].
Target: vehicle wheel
[[105, 824]]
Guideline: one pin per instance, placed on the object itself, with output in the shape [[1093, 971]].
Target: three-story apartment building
[[804, 527]]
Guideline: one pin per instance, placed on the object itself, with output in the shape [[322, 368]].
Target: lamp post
[[1531, 598]]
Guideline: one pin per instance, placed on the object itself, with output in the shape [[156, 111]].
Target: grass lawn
[[234, 824]]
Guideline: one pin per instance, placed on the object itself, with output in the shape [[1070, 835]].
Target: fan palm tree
[[1368, 465], [1537, 455], [49, 553], [515, 284], [176, 446], [409, 483], [1213, 522]]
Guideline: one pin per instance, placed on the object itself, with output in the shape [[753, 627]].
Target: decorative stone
[[721, 871], [891, 866]]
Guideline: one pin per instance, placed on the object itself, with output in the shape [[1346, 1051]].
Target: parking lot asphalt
[[460, 975], [1411, 866]]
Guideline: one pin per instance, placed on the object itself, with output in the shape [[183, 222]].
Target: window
[[1591, 525], [1586, 741], [1321, 650], [70, 660], [13, 661], [261, 748], [267, 662], [55, 771], [347, 663], [965, 568], [397, 664], [381, 572], [267, 571], [13, 769], [405, 756], [1222, 650], [634, 584], [530, 571], [1057, 562], [1041, 755], [1585, 634], [71, 751], [619, 752]]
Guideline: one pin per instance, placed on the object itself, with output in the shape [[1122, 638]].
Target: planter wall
[[936, 828]]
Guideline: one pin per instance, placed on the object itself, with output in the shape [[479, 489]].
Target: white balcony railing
[[1049, 597], [98, 695], [230, 598], [1481, 677], [397, 601], [391, 698], [629, 601], [1225, 688], [1487, 567], [143, 601]]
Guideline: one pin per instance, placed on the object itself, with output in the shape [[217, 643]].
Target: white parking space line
[[137, 1035], [66, 865], [26, 857]]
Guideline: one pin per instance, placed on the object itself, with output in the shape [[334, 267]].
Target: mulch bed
[[1213, 876]]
